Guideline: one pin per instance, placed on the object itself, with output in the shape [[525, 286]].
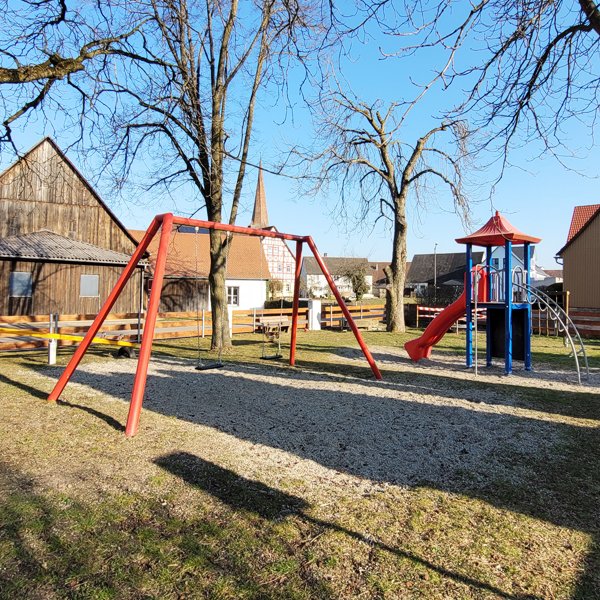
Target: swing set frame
[[165, 223]]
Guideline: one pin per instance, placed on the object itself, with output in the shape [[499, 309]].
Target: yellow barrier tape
[[60, 336]]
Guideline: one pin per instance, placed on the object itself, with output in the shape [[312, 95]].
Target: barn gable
[[44, 190]]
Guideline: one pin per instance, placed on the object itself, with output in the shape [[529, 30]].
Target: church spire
[[260, 218]]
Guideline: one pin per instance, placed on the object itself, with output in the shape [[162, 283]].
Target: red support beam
[[237, 229], [167, 221], [139, 385], [105, 310], [295, 306], [344, 308]]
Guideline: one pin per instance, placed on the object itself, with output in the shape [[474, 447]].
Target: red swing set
[[165, 223]]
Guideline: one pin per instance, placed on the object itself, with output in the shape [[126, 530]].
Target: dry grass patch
[[192, 509]]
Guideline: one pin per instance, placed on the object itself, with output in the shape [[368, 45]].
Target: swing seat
[[272, 357], [210, 366]]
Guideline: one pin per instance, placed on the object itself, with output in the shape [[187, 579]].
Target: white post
[[52, 344], [253, 320], [202, 323], [230, 316], [314, 315]]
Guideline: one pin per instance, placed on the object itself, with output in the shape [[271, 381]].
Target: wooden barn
[[61, 248]]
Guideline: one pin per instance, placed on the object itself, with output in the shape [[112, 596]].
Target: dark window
[[21, 283], [288, 268], [233, 296], [89, 286]]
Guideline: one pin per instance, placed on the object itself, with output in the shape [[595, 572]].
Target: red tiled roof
[[581, 215], [244, 262], [496, 232]]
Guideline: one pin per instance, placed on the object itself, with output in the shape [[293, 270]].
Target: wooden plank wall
[[581, 268], [56, 289], [179, 295], [44, 192]]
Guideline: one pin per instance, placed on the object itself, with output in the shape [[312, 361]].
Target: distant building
[[280, 260], [539, 277], [316, 284], [380, 279], [443, 268], [581, 258], [185, 286]]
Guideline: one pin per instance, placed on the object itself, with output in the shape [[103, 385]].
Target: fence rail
[[332, 316], [124, 327]]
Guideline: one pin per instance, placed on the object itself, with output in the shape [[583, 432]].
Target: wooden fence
[[169, 325], [332, 316]]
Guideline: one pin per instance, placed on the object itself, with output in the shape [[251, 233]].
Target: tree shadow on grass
[[244, 494], [335, 428]]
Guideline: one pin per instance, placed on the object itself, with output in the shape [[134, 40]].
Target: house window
[[233, 296], [89, 286], [280, 267], [275, 251], [287, 287], [288, 268], [269, 250], [21, 284], [495, 263]]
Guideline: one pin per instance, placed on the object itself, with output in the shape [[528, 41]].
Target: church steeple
[[260, 218]]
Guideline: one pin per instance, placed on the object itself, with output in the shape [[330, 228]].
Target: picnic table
[[271, 325]]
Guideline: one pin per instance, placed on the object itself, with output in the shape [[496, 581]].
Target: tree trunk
[[218, 292], [396, 274]]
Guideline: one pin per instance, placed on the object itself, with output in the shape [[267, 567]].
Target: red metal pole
[[139, 385], [295, 307], [237, 229], [345, 310], [110, 301]]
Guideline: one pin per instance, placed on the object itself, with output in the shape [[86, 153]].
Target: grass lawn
[[188, 509]]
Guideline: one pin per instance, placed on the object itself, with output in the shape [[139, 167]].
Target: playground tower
[[505, 295]]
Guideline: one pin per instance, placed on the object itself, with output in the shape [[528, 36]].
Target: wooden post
[[52, 343]]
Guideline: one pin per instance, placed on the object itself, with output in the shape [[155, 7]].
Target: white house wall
[[253, 293]]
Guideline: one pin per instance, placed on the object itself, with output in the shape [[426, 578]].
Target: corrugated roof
[[496, 232], [581, 215], [48, 246], [448, 266], [558, 273], [244, 262], [336, 265]]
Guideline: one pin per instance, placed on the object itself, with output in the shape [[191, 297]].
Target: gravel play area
[[421, 424]]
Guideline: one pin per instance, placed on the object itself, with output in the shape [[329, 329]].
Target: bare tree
[[186, 113], [532, 67], [367, 159], [51, 48]]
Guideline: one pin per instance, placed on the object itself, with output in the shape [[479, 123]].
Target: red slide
[[421, 347]]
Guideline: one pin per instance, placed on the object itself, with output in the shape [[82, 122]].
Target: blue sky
[[538, 197]]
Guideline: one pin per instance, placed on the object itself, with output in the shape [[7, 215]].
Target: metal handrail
[[562, 325]]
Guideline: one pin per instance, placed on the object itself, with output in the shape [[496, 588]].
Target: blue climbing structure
[[506, 298]]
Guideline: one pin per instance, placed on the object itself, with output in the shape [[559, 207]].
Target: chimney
[[324, 255]]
